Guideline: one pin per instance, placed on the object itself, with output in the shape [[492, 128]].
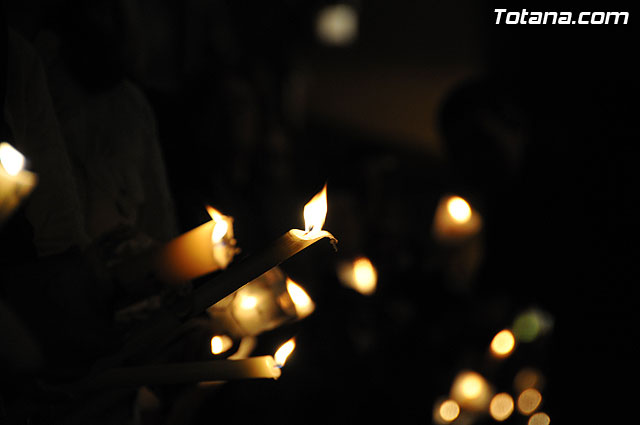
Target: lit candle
[[455, 220], [205, 249], [263, 304], [262, 367], [15, 182], [165, 324], [283, 353], [281, 249]]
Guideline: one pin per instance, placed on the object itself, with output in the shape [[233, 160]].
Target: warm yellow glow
[[221, 224], [315, 212], [472, 386], [220, 344], [501, 406], [365, 276], [284, 351], [528, 378], [459, 209], [12, 161], [248, 302], [471, 391], [301, 300], [337, 24], [539, 418], [503, 343], [529, 400], [449, 410]]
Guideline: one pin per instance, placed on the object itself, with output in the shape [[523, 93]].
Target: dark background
[[534, 125]]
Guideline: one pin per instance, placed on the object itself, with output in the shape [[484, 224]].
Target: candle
[[262, 367], [263, 304], [15, 182], [286, 246], [455, 220], [200, 251], [165, 325]]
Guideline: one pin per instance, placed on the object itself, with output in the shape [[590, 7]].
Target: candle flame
[[221, 224], [459, 209], [472, 391], [449, 410], [503, 343], [248, 302], [12, 161], [365, 276], [284, 351], [220, 344], [301, 300], [501, 406], [315, 212]]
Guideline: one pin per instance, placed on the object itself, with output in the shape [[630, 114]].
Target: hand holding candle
[[15, 182]]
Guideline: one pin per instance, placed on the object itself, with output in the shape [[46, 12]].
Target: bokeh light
[[449, 410], [531, 324], [220, 344], [12, 161], [529, 400], [459, 209], [359, 275], [471, 391], [337, 25], [539, 418], [503, 343], [528, 378], [501, 406]]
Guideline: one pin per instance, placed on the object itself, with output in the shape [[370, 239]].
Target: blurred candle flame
[[315, 212], [301, 300], [529, 400], [221, 224], [337, 24], [449, 410], [359, 275], [12, 161], [503, 343], [501, 406], [459, 209], [284, 351], [248, 302], [365, 276], [471, 390], [220, 344], [539, 418]]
